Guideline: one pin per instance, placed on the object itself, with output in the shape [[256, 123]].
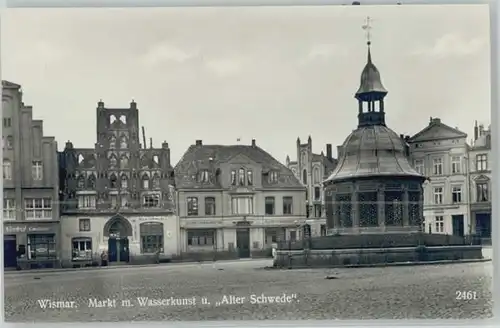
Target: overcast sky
[[269, 73]]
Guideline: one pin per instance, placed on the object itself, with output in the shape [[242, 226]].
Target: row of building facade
[[127, 198]]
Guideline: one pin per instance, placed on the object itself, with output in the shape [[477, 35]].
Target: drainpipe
[[469, 189]]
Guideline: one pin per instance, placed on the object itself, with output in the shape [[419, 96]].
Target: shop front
[[31, 245]]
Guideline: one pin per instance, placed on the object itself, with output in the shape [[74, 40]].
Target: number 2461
[[465, 295]]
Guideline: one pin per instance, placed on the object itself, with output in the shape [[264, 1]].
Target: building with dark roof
[[440, 152], [311, 170], [118, 196], [373, 188], [236, 199], [30, 186]]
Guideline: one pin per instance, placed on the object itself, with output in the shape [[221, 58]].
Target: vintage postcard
[[251, 163]]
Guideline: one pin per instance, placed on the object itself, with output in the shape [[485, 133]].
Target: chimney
[[133, 104], [151, 143], [329, 151], [407, 139], [164, 145], [100, 104], [402, 136], [253, 142], [69, 145], [199, 142], [476, 131], [481, 129]]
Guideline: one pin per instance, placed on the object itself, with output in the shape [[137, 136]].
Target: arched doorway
[[118, 229]]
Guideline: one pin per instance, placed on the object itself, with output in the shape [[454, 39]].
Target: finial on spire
[[367, 27]]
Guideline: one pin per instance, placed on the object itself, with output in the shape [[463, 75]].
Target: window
[[192, 206], [233, 177], [209, 205], [482, 162], [318, 210], [41, 247], [304, 177], [112, 161], [7, 170], [151, 200], [81, 182], [269, 205], [419, 166], [201, 237], [124, 182], [114, 201], [123, 142], [145, 181], [124, 201], [287, 205], [293, 235], [241, 177], [439, 224], [273, 177], [124, 162], [482, 192], [250, 177], [113, 180], [84, 224], [323, 230], [9, 208], [316, 177], [271, 236], [37, 170], [156, 181], [86, 201], [438, 166], [455, 164], [82, 249], [38, 208], [242, 205], [204, 176], [456, 194], [10, 142], [317, 193], [151, 237], [438, 195], [112, 142], [3, 142], [91, 182], [7, 122]]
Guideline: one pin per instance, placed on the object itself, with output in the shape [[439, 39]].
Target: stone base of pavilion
[[374, 230], [376, 248]]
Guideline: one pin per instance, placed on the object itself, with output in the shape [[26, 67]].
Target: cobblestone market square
[[413, 292]]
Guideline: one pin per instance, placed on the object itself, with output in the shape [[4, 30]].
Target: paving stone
[[420, 292]]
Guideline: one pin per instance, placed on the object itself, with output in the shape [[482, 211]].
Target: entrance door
[[243, 242], [458, 225], [123, 252], [118, 249], [9, 251]]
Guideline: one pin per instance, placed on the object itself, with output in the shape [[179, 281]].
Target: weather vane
[[367, 27]]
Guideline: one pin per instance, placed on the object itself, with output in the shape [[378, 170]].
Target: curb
[[395, 264], [114, 267]]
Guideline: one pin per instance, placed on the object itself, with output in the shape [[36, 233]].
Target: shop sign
[[151, 218], [24, 228]]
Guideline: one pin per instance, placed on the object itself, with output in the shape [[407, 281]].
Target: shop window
[[82, 249], [151, 237], [201, 237], [41, 247]]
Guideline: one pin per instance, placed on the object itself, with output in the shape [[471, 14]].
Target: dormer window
[[204, 176], [241, 177], [233, 178], [273, 177], [250, 177]]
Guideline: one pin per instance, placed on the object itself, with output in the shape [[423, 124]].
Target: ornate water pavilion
[[373, 189]]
